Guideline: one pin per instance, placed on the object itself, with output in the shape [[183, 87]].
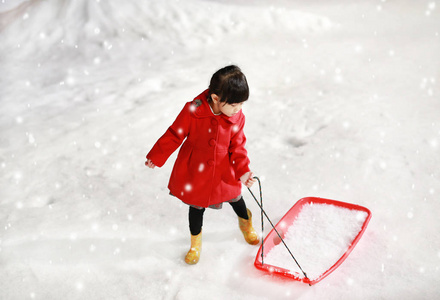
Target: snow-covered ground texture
[[345, 105], [318, 236]]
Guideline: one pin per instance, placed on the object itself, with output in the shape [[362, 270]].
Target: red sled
[[273, 239]]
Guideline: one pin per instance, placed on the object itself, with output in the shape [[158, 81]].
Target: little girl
[[212, 162]]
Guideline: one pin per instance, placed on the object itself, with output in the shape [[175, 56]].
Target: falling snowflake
[[433, 143], [358, 48], [30, 138], [188, 187], [79, 286]]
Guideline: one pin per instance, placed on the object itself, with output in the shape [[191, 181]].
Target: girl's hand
[[150, 164], [248, 179]]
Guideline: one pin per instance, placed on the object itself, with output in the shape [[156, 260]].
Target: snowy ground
[[345, 104]]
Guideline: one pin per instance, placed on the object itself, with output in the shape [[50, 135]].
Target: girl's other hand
[[150, 164], [248, 179]]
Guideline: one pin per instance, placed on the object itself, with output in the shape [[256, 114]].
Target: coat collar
[[200, 109]]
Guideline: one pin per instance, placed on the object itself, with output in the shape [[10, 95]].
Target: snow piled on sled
[[344, 105], [318, 237]]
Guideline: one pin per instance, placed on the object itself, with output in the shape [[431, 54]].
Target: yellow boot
[[193, 255], [249, 233]]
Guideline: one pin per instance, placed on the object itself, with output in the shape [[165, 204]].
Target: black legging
[[196, 215]]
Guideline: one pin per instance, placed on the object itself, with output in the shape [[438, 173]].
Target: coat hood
[[200, 109]]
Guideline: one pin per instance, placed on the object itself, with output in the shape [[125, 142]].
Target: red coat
[[212, 159]]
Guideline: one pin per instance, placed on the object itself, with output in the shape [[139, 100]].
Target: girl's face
[[230, 109], [225, 108]]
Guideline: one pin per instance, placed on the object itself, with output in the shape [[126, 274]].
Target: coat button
[[210, 162], [212, 142], [214, 122]]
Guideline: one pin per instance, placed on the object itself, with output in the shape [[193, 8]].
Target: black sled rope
[[263, 213]]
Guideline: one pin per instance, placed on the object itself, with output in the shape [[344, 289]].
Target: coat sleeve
[[172, 138], [237, 151]]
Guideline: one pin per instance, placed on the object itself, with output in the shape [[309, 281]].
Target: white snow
[[318, 237], [10, 5], [345, 104]]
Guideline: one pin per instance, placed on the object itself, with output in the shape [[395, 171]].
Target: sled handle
[[260, 204], [263, 212]]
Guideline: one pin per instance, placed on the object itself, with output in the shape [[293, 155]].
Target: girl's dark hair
[[230, 84]]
